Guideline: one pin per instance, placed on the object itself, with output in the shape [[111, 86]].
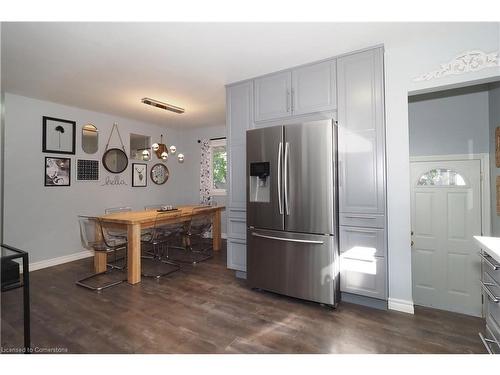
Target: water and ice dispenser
[[260, 185]]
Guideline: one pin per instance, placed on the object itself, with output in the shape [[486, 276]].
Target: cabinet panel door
[[239, 111], [363, 277], [314, 88], [361, 132], [236, 254], [362, 243], [239, 118], [237, 176], [272, 96]]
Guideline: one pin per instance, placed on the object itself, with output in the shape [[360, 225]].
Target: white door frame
[[485, 182]]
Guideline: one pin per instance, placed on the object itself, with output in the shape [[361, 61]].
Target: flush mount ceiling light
[[165, 106]]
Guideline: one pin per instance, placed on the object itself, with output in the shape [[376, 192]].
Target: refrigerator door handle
[[280, 203], [287, 239], [287, 209]]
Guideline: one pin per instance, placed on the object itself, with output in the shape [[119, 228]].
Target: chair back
[[201, 221], [89, 231], [117, 209], [95, 235], [167, 229]]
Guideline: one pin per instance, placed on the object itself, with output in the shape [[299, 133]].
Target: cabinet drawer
[[492, 308], [237, 254], [360, 220], [363, 277], [491, 266], [362, 243]]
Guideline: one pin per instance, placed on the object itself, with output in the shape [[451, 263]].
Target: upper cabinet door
[[314, 88], [239, 118], [361, 132], [273, 96], [239, 115]]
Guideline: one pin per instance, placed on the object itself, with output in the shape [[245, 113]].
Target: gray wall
[[42, 219], [191, 174], [494, 121], [449, 122]]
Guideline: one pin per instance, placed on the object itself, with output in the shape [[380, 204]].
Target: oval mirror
[[90, 138], [115, 160]]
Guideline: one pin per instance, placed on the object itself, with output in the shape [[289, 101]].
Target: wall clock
[[159, 174]]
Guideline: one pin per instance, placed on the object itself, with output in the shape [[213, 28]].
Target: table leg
[[134, 253], [216, 230], [100, 260]]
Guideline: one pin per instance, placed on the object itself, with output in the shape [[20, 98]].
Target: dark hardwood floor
[[205, 309]]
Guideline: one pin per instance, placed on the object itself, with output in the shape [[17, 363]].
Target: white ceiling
[[109, 67]]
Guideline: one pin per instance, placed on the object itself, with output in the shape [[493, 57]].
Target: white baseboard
[[60, 260], [70, 258], [400, 305]]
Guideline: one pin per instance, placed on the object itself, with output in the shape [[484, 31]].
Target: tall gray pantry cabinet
[[350, 89]]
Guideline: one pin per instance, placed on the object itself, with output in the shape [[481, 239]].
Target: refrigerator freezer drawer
[[294, 264]]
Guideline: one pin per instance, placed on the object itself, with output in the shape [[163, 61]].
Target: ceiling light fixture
[[165, 106]]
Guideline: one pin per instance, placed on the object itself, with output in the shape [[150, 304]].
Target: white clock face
[[159, 174]]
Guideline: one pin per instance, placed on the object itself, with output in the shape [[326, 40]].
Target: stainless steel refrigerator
[[292, 210]]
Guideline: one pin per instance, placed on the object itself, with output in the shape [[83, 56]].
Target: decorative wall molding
[[470, 61]]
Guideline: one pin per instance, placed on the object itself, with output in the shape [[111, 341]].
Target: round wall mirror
[[159, 174], [115, 160], [90, 139]]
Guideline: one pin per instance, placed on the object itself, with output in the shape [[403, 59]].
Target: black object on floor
[[10, 273]]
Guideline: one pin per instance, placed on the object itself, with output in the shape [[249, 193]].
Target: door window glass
[[441, 177]]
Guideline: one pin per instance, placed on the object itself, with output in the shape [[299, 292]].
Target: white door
[[446, 214]]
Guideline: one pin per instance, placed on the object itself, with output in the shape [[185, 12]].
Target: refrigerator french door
[[291, 210]]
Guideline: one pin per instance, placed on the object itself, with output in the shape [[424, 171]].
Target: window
[[218, 166], [441, 177]]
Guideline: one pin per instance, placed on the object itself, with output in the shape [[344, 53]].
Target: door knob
[[412, 243]]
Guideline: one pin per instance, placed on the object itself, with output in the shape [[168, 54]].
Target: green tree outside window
[[219, 167]]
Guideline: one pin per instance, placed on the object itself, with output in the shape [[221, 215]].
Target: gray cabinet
[[239, 118], [314, 88], [273, 96], [361, 133], [361, 156], [352, 86], [304, 90]]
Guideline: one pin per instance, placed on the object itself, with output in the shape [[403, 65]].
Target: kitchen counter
[[491, 245]]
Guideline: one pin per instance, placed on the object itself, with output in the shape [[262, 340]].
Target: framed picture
[[139, 175], [87, 170], [57, 171], [58, 136]]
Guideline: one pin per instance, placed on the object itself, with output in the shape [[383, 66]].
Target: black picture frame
[[53, 177], [145, 175], [45, 148], [153, 174]]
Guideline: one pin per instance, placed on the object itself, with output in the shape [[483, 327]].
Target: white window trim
[[216, 143]]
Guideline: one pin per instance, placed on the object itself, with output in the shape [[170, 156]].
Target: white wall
[[494, 117], [405, 60], [43, 220], [191, 176], [449, 122]]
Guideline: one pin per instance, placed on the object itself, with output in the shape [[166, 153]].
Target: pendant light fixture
[[146, 155]]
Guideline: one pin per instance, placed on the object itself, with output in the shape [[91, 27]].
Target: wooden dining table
[[134, 221]]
